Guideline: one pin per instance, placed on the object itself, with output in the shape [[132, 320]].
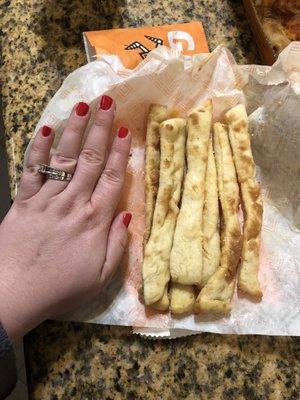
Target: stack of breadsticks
[[195, 173]]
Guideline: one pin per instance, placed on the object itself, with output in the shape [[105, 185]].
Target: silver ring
[[54, 173]]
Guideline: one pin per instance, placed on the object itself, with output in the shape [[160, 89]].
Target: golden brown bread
[[182, 298], [157, 114], [280, 21], [156, 265], [187, 246], [215, 297], [186, 254], [211, 235], [163, 303], [252, 203]]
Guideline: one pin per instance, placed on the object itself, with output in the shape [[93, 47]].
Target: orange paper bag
[[133, 44]]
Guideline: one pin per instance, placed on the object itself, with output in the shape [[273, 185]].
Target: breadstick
[[211, 236], [252, 203], [182, 298], [157, 114], [216, 295], [163, 303], [156, 265], [186, 254]]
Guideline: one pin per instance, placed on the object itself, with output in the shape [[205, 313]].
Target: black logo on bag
[[144, 50]]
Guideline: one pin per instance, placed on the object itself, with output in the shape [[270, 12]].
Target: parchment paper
[[272, 98]]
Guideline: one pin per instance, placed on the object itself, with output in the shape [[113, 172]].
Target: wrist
[[18, 313]]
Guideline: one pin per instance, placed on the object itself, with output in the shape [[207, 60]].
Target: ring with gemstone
[[54, 173]]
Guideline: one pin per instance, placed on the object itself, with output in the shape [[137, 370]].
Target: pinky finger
[[31, 180], [117, 242]]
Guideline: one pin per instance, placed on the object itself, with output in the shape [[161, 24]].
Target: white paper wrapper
[[272, 97]]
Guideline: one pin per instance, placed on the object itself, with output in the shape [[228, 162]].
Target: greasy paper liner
[[272, 98]]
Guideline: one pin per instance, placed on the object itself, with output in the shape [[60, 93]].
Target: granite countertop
[[41, 45]]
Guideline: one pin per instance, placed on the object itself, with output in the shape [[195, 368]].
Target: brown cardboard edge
[[265, 49]]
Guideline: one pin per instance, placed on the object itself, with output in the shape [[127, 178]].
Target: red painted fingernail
[[105, 102], [82, 109], [122, 132], [46, 130], [126, 219]]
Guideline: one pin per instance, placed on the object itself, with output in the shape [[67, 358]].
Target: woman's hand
[[61, 242]]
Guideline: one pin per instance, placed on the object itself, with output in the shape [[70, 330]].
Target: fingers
[[93, 156], [32, 180], [107, 192], [68, 149], [116, 245]]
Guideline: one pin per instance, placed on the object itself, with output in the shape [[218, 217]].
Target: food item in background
[[182, 298], [215, 297], [275, 34], [252, 204], [186, 254], [280, 21], [157, 114], [156, 272], [210, 226]]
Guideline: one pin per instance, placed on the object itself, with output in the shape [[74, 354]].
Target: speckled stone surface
[[41, 45], [76, 361]]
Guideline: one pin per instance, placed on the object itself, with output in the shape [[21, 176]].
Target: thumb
[[116, 245]]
